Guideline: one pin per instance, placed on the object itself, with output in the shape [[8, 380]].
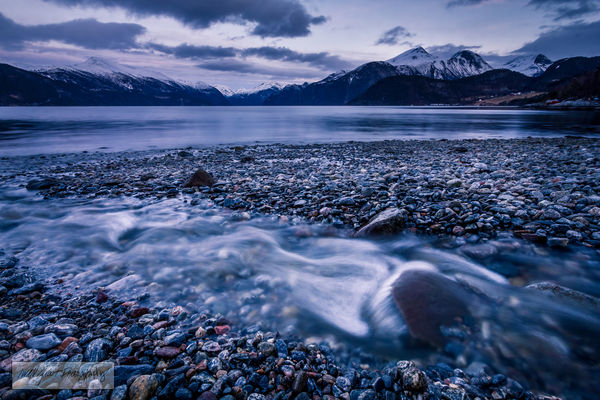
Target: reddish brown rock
[[167, 352], [101, 297], [138, 312], [160, 324], [66, 342], [221, 330]]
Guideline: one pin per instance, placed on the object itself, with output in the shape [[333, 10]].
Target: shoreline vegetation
[[471, 192]]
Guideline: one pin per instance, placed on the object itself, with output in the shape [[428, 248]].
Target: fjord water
[[34, 130]]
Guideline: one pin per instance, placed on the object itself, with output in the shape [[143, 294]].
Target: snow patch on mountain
[[530, 65], [418, 61], [225, 90], [333, 76], [106, 67], [201, 85], [263, 86], [467, 63], [414, 58], [273, 86]]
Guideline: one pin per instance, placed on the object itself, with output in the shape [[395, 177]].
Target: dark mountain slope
[[63, 87], [585, 86], [566, 69], [414, 90], [19, 87], [335, 89]]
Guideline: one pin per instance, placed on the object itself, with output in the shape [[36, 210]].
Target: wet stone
[[174, 339], [43, 342], [97, 350], [62, 330], [267, 348], [211, 347], [143, 387], [414, 380]]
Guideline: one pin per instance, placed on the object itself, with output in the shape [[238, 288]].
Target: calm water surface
[[33, 130]]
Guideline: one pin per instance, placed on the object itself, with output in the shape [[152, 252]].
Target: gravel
[[546, 190]]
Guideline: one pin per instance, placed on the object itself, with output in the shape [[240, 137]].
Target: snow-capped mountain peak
[[228, 92], [264, 86], [100, 66], [202, 85], [334, 75], [413, 57], [467, 63], [530, 65], [225, 90], [418, 61], [254, 96], [106, 67]]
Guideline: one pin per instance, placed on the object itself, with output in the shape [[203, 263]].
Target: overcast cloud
[[241, 43], [87, 33], [273, 18]]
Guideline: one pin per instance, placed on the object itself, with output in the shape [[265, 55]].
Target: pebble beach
[[476, 197]]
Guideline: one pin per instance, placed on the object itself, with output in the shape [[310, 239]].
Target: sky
[[242, 43]]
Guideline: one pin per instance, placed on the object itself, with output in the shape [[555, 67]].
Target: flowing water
[[314, 281]]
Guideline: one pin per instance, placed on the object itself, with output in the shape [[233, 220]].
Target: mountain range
[[414, 77], [98, 82]]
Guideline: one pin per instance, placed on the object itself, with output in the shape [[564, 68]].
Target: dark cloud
[[559, 9], [273, 18], [87, 33], [449, 49], [195, 52], [579, 39], [567, 9], [322, 60], [244, 67], [459, 3], [319, 60], [234, 66], [393, 35]]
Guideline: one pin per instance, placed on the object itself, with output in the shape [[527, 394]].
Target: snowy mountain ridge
[[530, 65], [106, 67], [418, 61], [228, 92]]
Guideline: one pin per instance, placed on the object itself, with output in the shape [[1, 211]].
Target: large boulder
[[200, 178], [389, 221], [428, 300]]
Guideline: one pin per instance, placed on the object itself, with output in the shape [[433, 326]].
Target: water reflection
[[32, 130]]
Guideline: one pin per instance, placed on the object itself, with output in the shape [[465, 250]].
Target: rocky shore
[[183, 353], [545, 190], [469, 192]]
